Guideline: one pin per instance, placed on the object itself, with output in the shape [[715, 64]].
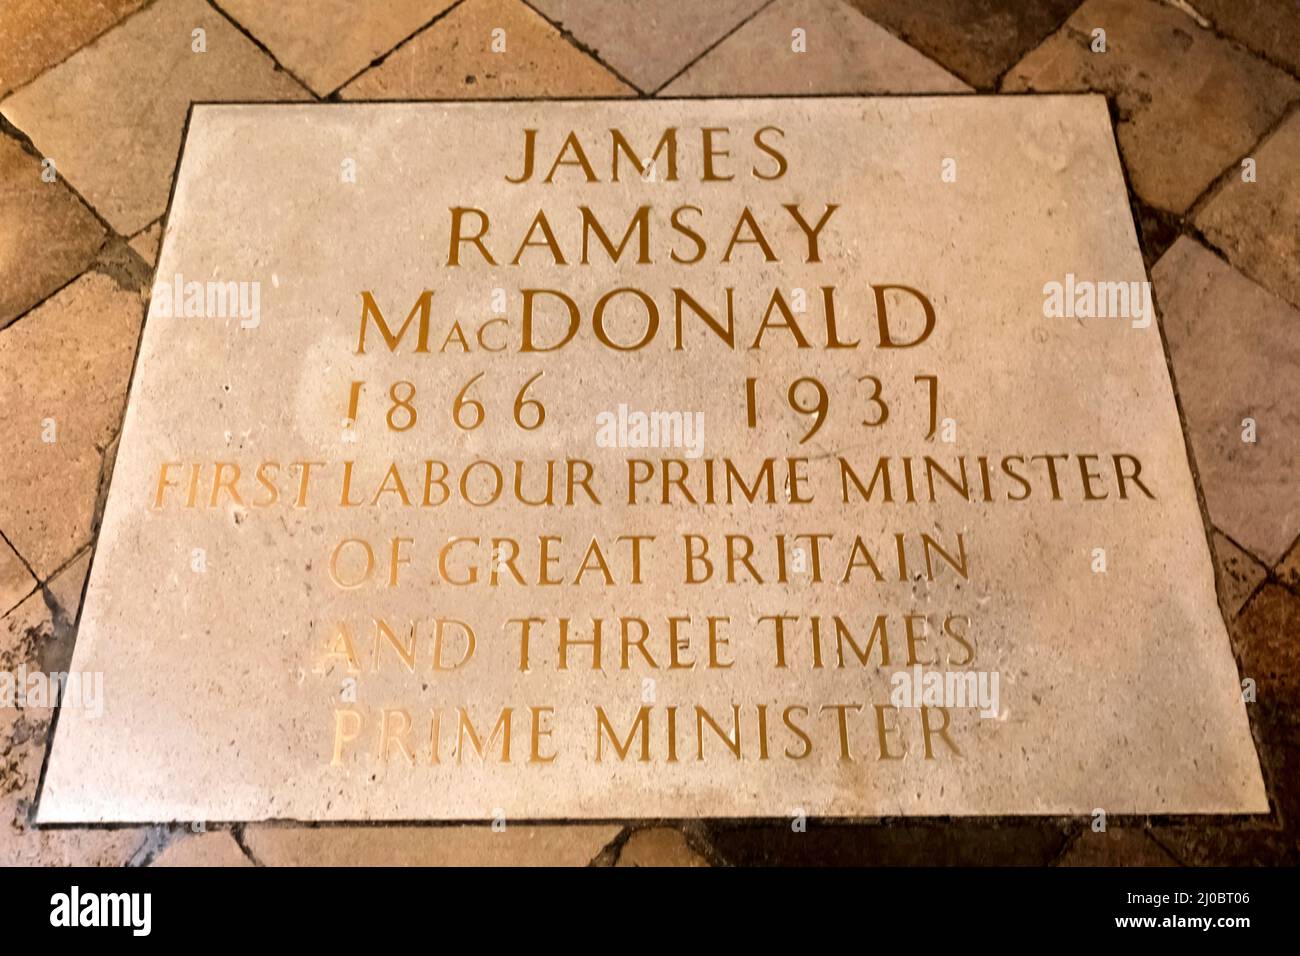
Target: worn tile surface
[[214, 848], [38, 635], [327, 42], [36, 34], [659, 846], [455, 59], [64, 371], [1190, 104], [840, 51], [1236, 350], [1116, 847], [145, 243], [1270, 27], [1257, 224], [16, 582], [112, 114], [647, 42], [47, 235], [976, 39], [420, 740], [1240, 573], [513, 845]]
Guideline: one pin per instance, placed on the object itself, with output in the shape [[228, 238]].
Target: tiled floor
[[1206, 100]]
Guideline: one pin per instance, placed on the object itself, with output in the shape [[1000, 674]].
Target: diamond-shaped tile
[[1270, 27], [38, 634], [648, 43], [327, 42], [215, 848], [36, 34], [111, 115], [1257, 224], [839, 51], [1190, 103], [462, 57], [1235, 349], [47, 235], [976, 39], [1239, 573], [64, 371], [16, 582]]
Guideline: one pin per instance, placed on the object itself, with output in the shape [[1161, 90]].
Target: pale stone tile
[[428, 846], [16, 582], [1190, 103], [1267, 636], [1270, 27], [47, 235], [327, 42], [214, 848], [36, 34], [648, 43], [454, 59], [111, 116], [68, 361], [843, 52], [40, 637], [1257, 224], [1239, 574], [659, 846], [977, 41], [1235, 349], [145, 243]]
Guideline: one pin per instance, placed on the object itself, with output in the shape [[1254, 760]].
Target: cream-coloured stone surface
[[246, 678]]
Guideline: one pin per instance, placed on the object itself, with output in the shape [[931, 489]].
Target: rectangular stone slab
[[233, 601]]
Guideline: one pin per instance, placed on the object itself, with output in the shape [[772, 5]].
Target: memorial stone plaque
[[652, 459]]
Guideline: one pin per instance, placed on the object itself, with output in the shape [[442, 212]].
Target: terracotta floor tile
[[843, 52]]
